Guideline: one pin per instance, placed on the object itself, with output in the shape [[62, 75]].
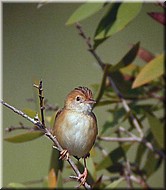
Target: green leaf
[[105, 163], [130, 69], [150, 71], [107, 102], [84, 11], [113, 157], [114, 184], [105, 23], [123, 85], [16, 185], [157, 129], [115, 118], [29, 112], [127, 59], [59, 180], [142, 149], [91, 168], [122, 15], [152, 163], [24, 137], [56, 163], [102, 85]]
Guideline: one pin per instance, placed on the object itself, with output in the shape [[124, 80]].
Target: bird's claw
[[64, 155], [82, 177]]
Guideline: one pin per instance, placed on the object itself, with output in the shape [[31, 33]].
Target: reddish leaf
[[162, 4], [129, 78], [145, 55], [159, 17]]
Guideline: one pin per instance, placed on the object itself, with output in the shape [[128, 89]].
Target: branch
[[117, 139], [133, 139], [140, 181], [42, 127], [12, 128], [102, 65], [127, 174], [103, 151], [40, 88]]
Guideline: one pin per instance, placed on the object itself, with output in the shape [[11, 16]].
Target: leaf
[[16, 185], [105, 23], [84, 11], [152, 163], [123, 85], [157, 129], [107, 102], [150, 71], [29, 112], [127, 59], [55, 162], [24, 137], [115, 119], [142, 149], [105, 163], [102, 85], [122, 15], [159, 17], [91, 168], [130, 69], [52, 180], [59, 180], [114, 184], [113, 157], [145, 55]]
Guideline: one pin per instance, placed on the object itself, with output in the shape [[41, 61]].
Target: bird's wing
[[58, 113], [94, 117]]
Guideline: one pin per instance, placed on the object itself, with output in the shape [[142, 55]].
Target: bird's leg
[[64, 155], [84, 175]]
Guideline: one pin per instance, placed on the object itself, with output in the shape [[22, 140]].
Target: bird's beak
[[90, 101]]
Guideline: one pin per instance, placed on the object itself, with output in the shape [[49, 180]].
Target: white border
[[1, 124], [1, 52]]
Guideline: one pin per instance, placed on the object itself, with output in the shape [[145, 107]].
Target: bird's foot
[[83, 177], [64, 155]]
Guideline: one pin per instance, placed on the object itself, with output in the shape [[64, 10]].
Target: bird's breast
[[76, 133]]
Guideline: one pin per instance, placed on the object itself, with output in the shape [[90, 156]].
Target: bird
[[75, 126]]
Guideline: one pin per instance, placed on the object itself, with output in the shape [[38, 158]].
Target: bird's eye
[[78, 98]]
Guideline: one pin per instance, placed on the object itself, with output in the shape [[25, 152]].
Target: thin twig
[[139, 181], [117, 139], [40, 88], [12, 128], [127, 174], [103, 151], [19, 112], [133, 139], [88, 42], [39, 124]]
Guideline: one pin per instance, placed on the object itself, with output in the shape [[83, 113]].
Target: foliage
[[122, 83]]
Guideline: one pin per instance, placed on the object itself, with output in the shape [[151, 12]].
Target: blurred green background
[[38, 45]]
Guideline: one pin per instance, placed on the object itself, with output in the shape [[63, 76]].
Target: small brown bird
[[75, 126]]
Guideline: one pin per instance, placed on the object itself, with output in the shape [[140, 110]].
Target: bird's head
[[80, 99]]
